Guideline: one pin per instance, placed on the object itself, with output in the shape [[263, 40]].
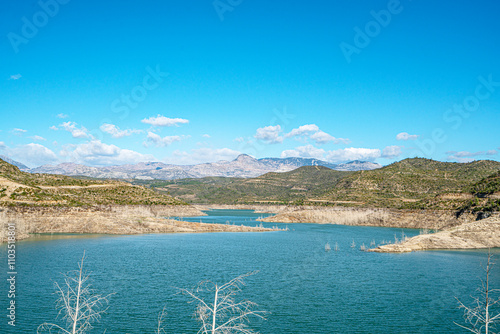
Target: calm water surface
[[305, 289]]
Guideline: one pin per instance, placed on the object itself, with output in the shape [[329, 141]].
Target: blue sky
[[115, 82]]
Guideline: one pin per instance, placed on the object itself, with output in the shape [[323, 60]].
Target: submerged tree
[[79, 305], [159, 329], [221, 313], [484, 315]]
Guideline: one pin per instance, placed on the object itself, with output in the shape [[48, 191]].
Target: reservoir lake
[[304, 288]]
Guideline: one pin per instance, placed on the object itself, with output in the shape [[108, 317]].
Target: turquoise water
[[305, 289]]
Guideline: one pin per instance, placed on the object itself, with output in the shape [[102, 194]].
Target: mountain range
[[244, 166]]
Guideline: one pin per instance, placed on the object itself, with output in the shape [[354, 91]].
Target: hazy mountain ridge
[[244, 166]]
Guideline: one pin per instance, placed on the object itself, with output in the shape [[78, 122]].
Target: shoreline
[[110, 220], [452, 232], [481, 234], [464, 232]]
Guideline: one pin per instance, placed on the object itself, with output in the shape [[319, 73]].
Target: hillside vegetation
[[293, 187], [408, 184], [414, 183], [21, 188], [485, 196]]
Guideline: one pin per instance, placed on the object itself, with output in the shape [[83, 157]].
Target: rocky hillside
[[244, 166], [21, 188]]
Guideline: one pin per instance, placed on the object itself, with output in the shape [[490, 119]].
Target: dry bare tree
[[482, 317], [161, 316], [221, 313], [79, 305]]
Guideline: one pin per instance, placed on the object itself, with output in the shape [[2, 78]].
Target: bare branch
[[480, 317], [79, 305], [223, 314]]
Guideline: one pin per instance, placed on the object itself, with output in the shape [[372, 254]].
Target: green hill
[[289, 187], [21, 188], [410, 183], [486, 196], [486, 186]]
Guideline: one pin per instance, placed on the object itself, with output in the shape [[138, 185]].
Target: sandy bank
[[107, 220], [478, 234]]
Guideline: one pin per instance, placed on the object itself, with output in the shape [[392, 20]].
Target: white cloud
[[406, 136], [159, 141], [18, 132], [269, 134], [37, 138], [116, 132], [206, 136], [98, 153], [61, 115], [82, 132], [15, 77], [202, 155], [313, 132], [466, 156], [303, 130], [54, 128], [353, 153], [391, 152], [307, 151], [239, 139], [164, 121], [2, 145], [321, 137], [32, 154]]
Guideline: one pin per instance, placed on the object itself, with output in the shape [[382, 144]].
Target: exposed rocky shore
[[484, 233], [107, 220], [420, 219], [464, 232]]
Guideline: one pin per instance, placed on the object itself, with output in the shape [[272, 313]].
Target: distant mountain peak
[[245, 157]]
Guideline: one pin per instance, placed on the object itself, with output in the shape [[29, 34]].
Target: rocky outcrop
[[473, 235]]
